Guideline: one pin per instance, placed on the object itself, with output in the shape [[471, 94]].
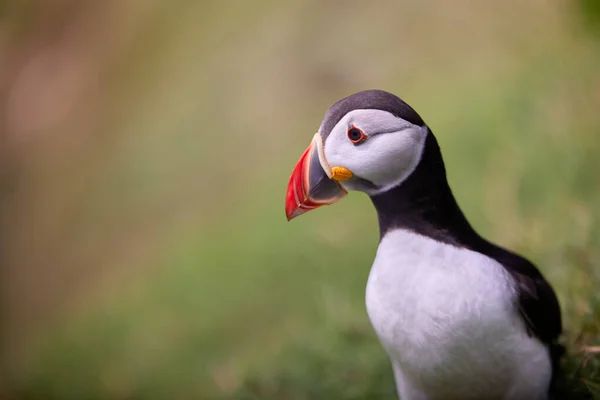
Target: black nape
[[424, 203]]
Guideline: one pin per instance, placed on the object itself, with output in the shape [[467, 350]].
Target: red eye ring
[[355, 135]]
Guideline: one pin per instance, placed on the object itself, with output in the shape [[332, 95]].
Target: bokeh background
[[145, 152]]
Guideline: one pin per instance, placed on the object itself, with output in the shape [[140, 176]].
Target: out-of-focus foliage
[[590, 12], [144, 158]]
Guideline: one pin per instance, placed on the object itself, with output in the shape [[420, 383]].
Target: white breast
[[447, 318]]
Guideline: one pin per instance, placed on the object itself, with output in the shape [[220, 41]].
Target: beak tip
[[291, 213]]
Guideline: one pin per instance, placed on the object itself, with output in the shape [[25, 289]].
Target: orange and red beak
[[311, 184]]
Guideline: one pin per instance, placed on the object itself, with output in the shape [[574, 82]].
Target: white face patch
[[387, 157]]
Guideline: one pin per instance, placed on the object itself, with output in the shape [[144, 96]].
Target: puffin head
[[370, 141]]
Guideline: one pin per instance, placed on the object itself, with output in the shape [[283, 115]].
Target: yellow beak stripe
[[340, 174]]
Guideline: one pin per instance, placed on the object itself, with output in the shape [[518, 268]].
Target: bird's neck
[[424, 203]]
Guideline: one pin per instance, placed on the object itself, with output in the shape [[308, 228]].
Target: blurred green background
[[144, 159]]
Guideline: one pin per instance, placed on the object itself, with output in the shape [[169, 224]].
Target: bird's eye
[[355, 135]]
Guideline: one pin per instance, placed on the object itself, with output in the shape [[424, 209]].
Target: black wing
[[538, 305], [537, 301]]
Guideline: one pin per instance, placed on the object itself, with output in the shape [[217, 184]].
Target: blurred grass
[[209, 112]]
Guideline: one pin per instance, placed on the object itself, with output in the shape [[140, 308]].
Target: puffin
[[459, 316]]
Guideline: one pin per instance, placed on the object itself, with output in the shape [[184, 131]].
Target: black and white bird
[[460, 317]]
